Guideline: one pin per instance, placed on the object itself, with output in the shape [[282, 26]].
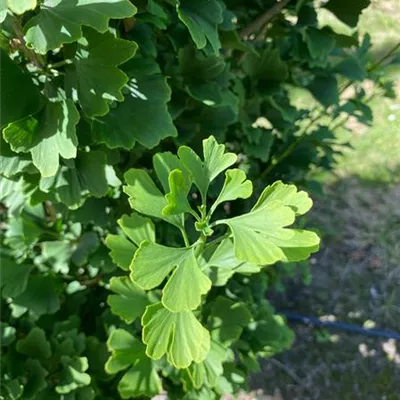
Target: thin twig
[[36, 59], [263, 18], [296, 378], [91, 282]]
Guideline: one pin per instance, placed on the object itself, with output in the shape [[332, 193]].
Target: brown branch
[[264, 18], [19, 42], [91, 282]]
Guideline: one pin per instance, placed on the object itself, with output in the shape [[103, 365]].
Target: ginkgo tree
[[142, 214], [168, 286]]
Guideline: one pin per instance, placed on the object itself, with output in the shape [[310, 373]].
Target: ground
[[356, 274]]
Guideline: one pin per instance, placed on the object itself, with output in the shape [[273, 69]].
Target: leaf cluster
[[136, 248]]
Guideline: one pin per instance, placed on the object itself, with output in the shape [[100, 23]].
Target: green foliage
[[142, 211]]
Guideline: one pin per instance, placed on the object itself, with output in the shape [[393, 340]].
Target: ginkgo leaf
[[164, 164], [15, 107], [3, 15], [85, 173], [177, 198], [207, 372], [269, 332], [122, 250], [60, 21], [202, 18], [227, 320], [73, 375], [137, 228], [260, 236], [14, 277], [141, 379], [288, 195], [94, 72], [223, 264], [130, 300], [11, 163], [215, 161], [349, 13], [143, 116], [145, 197], [235, 186], [47, 135], [20, 6], [35, 344], [152, 264], [40, 296], [179, 335]]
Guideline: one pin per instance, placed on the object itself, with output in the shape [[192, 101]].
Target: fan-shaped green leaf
[[127, 352], [207, 372], [223, 264], [20, 6], [47, 135], [143, 115], [94, 72], [137, 228], [179, 335], [35, 344], [60, 21], [260, 237], [130, 300], [348, 12], [202, 18], [122, 250], [300, 202], [14, 277], [215, 161], [164, 164], [235, 186], [40, 296], [227, 320], [86, 173], [73, 375], [145, 197], [177, 198], [153, 262]]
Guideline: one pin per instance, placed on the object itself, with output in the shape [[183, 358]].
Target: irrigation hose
[[315, 321]]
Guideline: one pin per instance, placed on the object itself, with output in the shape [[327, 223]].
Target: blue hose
[[315, 321]]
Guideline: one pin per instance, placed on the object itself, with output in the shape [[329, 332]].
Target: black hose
[[315, 321]]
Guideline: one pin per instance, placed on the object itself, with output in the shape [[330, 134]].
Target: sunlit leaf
[[61, 21], [215, 161], [179, 335], [145, 197], [153, 263], [95, 72], [143, 115], [48, 136], [177, 198], [235, 186]]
